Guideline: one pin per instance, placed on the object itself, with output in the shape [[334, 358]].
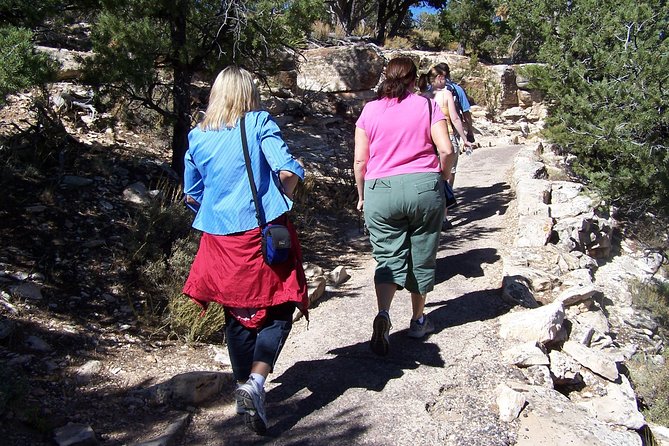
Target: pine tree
[[607, 80], [149, 50]]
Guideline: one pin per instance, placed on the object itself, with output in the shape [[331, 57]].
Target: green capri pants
[[403, 214]]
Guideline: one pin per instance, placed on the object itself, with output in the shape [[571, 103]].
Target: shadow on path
[[322, 381], [476, 203], [468, 264], [470, 307]]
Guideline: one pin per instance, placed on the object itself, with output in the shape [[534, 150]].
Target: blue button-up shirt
[[215, 175]]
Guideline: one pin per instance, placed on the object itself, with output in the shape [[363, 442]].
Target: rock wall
[[569, 333]]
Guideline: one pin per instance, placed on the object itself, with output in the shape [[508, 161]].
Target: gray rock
[[551, 419], [28, 291], [526, 355], [538, 375], [576, 294], [192, 388], [172, 434], [338, 275], [516, 290], [7, 328], [37, 344], [72, 181], [75, 434], [564, 369], [87, 371], [339, 69]]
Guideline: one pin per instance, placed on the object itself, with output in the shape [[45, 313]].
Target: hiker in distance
[[434, 84], [400, 189], [230, 269]]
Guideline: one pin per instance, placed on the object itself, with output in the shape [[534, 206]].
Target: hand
[[360, 205]]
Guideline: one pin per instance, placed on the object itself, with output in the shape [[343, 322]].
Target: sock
[[421, 319], [385, 312], [258, 380]]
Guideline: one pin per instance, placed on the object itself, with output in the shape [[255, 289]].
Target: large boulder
[[341, 69]]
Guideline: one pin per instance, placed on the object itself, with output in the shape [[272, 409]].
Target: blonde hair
[[233, 94]]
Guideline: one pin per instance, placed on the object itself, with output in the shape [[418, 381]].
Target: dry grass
[[650, 374]]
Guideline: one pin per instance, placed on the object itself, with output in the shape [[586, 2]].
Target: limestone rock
[[534, 230], [618, 406], [564, 369], [592, 359], [538, 375], [87, 371], [171, 434], [338, 275], [525, 355], [564, 191], [509, 403], [316, 288], [533, 197], [576, 294], [339, 69], [542, 324], [552, 419]]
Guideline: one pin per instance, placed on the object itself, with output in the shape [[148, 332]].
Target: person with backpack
[[434, 84], [462, 102]]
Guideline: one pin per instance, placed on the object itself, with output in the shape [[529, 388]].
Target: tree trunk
[[180, 87], [399, 19], [381, 21]]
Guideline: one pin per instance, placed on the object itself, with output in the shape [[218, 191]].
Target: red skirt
[[230, 270]]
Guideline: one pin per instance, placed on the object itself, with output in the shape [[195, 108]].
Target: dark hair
[[443, 69], [400, 73], [426, 79]]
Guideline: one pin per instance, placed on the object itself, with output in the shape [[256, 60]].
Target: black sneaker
[[446, 225], [381, 335]]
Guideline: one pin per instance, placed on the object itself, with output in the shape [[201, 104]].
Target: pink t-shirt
[[399, 136]]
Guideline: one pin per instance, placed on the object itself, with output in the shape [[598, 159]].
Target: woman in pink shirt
[[399, 179]]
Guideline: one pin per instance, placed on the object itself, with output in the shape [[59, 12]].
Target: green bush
[[21, 66]]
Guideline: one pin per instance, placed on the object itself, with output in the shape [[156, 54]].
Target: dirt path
[[328, 388]]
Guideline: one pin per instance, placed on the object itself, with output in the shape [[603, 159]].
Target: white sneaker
[[418, 331], [239, 403], [253, 402]]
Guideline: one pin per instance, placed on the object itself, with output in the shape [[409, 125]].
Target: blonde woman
[[259, 299]]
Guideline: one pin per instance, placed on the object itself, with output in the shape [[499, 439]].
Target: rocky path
[[328, 388]]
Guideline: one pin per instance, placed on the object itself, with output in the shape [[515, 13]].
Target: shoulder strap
[[429, 107], [247, 161]]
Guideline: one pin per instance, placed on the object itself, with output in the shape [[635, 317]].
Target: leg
[[384, 295], [268, 343], [272, 337], [241, 344], [417, 305]]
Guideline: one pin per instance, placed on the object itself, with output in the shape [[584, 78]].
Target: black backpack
[[450, 86]]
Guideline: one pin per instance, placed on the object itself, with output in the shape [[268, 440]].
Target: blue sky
[[416, 10]]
